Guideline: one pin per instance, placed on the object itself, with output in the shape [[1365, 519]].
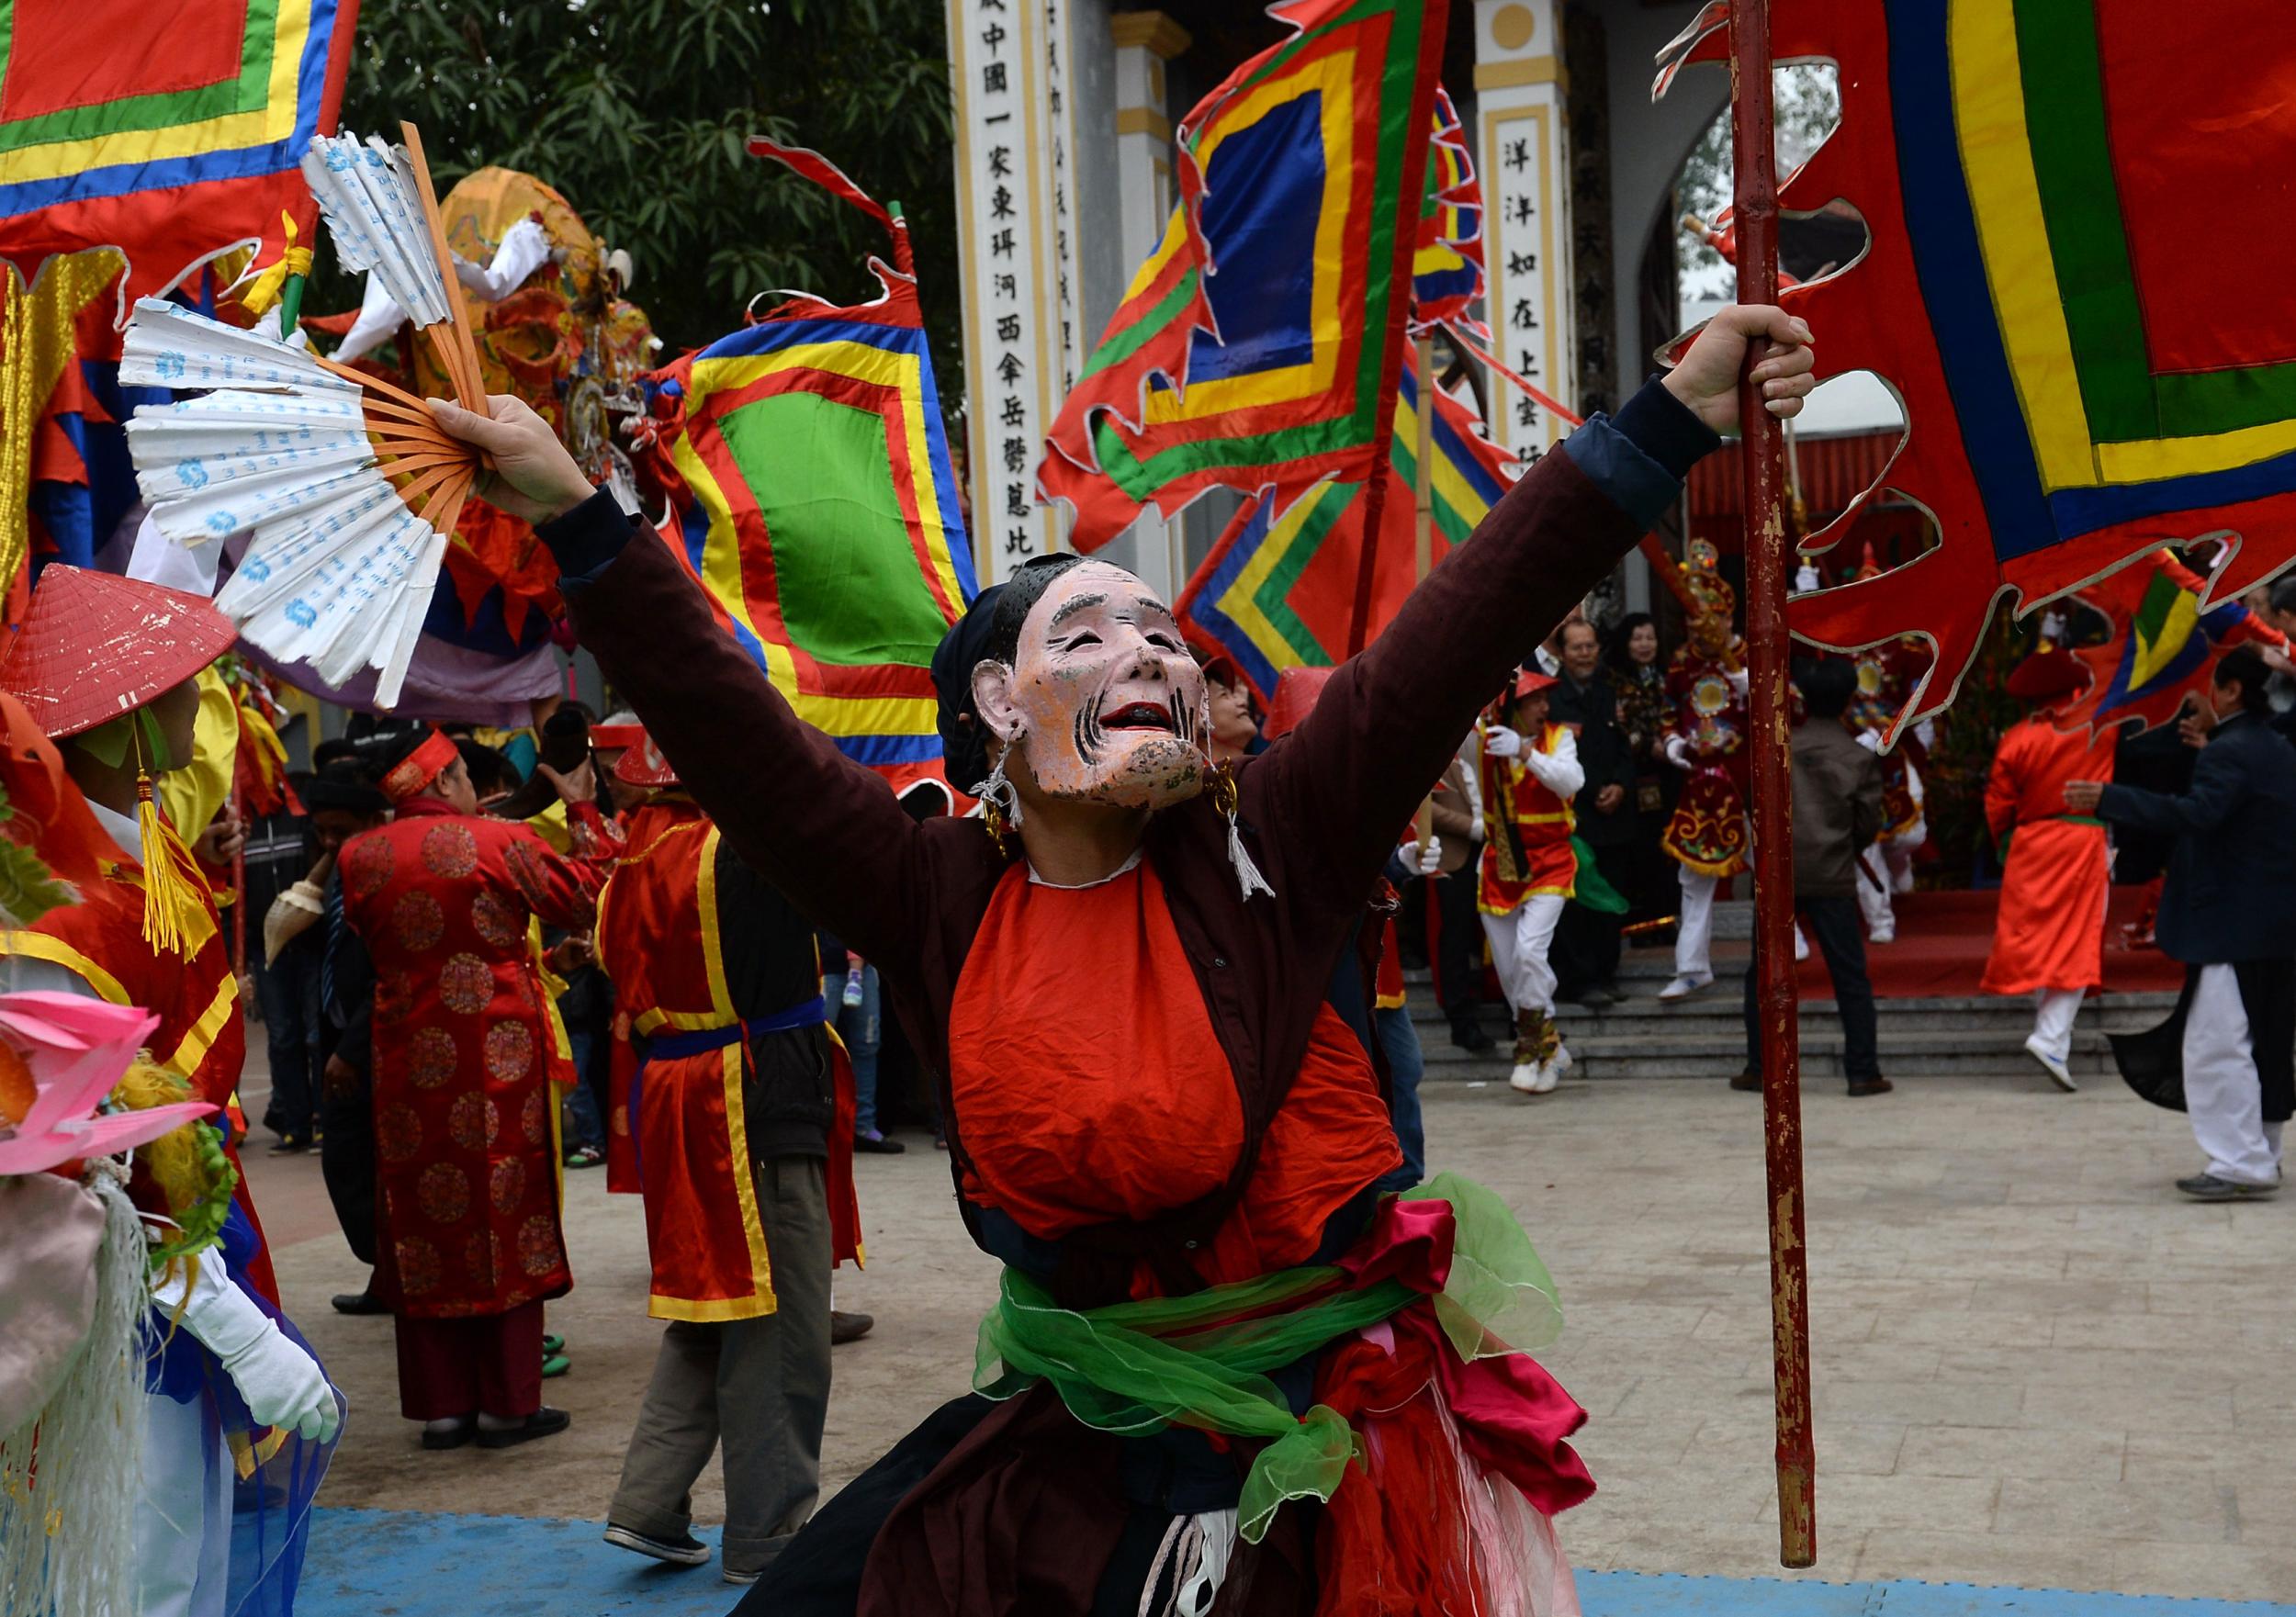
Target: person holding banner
[[1156, 1118]]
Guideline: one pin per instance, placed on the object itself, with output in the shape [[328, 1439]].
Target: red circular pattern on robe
[[443, 1192], [482, 1255], [368, 867], [419, 1265], [507, 1184], [522, 985], [431, 1058], [473, 1121], [417, 922], [497, 920], [465, 985], [397, 1133], [393, 1003], [534, 1119], [450, 851], [510, 1051], [538, 1245]]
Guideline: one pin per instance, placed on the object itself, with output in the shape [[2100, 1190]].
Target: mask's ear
[[992, 695]]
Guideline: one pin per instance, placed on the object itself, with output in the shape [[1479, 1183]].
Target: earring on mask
[[1224, 798], [1000, 804]]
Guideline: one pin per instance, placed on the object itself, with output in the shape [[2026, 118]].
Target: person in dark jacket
[[1587, 940], [2224, 912], [1120, 978], [1837, 814]]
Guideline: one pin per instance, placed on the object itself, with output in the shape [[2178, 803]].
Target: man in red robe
[[2048, 939], [469, 1246], [742, 1116]]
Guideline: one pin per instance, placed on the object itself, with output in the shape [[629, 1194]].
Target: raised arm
[[2218, 785], [820, 827], [1379, 737]]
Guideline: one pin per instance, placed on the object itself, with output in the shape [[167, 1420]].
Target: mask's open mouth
[[1142, 715]]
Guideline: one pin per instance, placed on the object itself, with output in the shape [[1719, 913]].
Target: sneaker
[[1467, 1032], [1595, 998], [1688, 983], [1524, 1078], [544, 1422], [743, 1579], [1879, 934], [555, 1366], [1549, 1071], [685, 1550], [1861, 1087], [2059, 1073], [853, 1327], [2208, 1188], [877, 1144], [585, 1156], [553, 1344], [289, 1145]]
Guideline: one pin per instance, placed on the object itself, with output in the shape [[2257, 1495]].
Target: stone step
[[1904, 1054], [1719, 1012]]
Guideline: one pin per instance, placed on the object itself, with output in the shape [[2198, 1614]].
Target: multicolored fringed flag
[[2071, 283], [168, 130], [1447, 269], [2163, 644], [1257, 343], [1278, 588], [815, 502]]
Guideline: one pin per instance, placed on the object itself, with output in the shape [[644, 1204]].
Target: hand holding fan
[[347, 485]]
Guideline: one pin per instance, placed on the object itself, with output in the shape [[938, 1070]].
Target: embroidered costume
[[1706, 836], [1529, 870]]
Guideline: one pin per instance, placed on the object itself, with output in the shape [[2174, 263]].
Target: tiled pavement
[[2036, 1366]]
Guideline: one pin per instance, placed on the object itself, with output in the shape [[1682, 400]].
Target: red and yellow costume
[[658, 939], [1706, 692], [2049, 933], [464, 1055], [1526, 829]]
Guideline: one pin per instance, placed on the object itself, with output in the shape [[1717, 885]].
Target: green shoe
[[553, 1345], [555, 1365]]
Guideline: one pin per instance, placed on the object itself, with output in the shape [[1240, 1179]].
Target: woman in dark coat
[[1129, 988]]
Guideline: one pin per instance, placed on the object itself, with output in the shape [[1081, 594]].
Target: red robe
[[1521, 812], [2050, 929], [202, 1034], [1707, 832], [464, 1054], [659, 940]]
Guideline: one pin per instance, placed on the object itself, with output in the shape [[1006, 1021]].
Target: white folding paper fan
[[345, 483]]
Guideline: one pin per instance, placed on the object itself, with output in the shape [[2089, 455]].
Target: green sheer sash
[[1203, 1361]]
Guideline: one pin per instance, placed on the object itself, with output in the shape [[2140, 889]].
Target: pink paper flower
[[73, 1049]]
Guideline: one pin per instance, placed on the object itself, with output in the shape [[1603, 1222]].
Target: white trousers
[[2222, 1093], [1694, 938], [184, 1520], [1519, 941], [2054, 1010], [1873, 905]]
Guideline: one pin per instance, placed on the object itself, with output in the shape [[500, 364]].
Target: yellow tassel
[[268, 286], [174, 914]]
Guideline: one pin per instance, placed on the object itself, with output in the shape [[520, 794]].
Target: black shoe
[[845, 1327], [1467, 1033], [1861, 1087], [453, 1437], [291, 1145], [878, 1144], [1749, 1079], [1597, 998], [2208, 1188], [544, 1422], [685, 1550], [359, 1302]]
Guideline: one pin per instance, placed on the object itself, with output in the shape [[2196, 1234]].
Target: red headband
[[419, 768]]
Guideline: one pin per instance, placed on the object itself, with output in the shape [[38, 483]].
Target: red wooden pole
[[1755, 214]]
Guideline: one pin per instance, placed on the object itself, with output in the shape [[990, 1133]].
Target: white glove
[[1431, 854], [1871, 740], [1677, 753], [1738, 678], [1926, 733], [283, 1385], [1501, 742], [1475, 829], [1805, 577]]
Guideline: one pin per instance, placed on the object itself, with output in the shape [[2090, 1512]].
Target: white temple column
[[1522, 145], [1147, 191]]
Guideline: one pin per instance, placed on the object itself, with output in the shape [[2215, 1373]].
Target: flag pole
[[1754, 211]]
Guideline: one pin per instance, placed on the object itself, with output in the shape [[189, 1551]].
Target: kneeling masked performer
[[1220, 1367]]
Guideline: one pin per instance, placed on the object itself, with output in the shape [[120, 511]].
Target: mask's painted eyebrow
[[1071, 608]]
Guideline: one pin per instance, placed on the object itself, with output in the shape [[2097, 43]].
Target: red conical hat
[[643, 764], [95, 645], [2050, 672], [1296, 691]]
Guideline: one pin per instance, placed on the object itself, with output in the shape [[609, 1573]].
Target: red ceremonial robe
[[2050, 929], [1707, 832], [659, 941], [202, 1034], [463, 1052]]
